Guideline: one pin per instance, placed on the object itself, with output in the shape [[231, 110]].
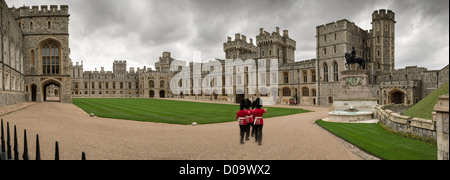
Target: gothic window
[[286, 91], [325, 72], [336, 71], [161, 84], [335, 50], [305, 91], [151, 84], [49, 25], [50, 58], [32, 64]]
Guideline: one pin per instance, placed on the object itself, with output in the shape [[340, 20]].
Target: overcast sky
[[138, 31]]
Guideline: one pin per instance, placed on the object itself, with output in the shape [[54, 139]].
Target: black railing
[[7, 152]]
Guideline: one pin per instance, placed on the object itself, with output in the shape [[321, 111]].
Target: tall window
[[305, 76], [286, 77], [50, 58], [161, 84], [151, 84], [325, 72], [305, 91], [335, 71], [313, 76], [286, 91]]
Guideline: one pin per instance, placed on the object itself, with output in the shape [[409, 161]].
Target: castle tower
[[383, 40], [46, 49], [239, 48], [275, 46], [120, 69]]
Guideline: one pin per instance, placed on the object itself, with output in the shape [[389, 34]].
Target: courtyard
[[291, 137]]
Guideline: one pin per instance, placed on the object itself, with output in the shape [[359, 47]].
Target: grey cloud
[[141, 29]]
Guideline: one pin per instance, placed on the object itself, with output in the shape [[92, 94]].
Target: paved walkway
[[293, 137]]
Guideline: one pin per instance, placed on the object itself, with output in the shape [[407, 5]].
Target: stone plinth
[[354, 84]]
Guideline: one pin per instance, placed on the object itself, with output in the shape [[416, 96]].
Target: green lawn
[[168, 111], [375, 140], [425, 107]]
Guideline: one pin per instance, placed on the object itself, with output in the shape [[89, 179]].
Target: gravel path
[[294, 137]]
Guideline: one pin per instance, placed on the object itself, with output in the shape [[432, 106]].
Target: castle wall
[[11, 60]]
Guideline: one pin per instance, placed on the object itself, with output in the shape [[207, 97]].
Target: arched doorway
[[152, 94], [33, 93], [48, 90], [397, 96], [162, 94]]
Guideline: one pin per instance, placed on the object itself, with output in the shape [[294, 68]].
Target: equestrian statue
[[352, 59]]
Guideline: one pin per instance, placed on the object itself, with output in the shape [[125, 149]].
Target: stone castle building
[[35, 64]]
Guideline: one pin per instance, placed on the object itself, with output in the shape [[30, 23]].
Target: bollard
[[16, 145], [56, 151], [8, 142], [38, 149], [25, 146]]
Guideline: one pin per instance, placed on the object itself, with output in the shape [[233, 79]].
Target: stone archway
[[162, 94], [397, 96], [44, 90]]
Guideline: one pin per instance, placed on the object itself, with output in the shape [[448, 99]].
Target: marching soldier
[[259, 121], [242, 120]]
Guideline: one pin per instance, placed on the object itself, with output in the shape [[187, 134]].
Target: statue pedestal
[[353, 93]]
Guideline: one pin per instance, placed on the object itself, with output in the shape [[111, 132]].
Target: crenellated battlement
[[44, 10], [383, 14]]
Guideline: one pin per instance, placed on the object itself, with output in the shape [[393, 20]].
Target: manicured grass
[[425, 107], [374, 139], [168, 111]]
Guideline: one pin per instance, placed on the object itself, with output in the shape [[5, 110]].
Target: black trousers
[[242, 132], [258, 133], [252, 127]]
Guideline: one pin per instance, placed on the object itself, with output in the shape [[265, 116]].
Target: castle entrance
[[397, 97], [152, 94], [50, 91], [33, 93]]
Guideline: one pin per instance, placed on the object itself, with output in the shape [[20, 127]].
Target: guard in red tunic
[[242, 120], [259, 121], [249, 108]]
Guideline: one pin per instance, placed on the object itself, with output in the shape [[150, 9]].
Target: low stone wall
[[416, 126], [10, 98]]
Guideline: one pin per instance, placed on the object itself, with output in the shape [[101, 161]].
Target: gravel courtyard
[[294, 137]]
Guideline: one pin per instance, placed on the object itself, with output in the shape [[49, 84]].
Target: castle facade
[[35, 64]]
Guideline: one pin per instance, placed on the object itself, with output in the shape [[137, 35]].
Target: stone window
[[335, 71], [31, 25], [286, 91], [305, 76], [330, 100], [50, 58], [335, 36], [314, 92], [305, 91], [151, 84], [335, 50], [325, 72], [161, 84], [313, 76], [49, 25], [32, 64], [286, 77]]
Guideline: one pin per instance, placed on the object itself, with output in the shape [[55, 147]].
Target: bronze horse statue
[[354, 60]]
